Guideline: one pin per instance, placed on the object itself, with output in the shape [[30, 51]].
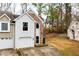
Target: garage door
[[25, 42], [6, 43]]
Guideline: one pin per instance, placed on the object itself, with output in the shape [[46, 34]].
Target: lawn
[[65, 46]]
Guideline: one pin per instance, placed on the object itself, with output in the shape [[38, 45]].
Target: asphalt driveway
[[36, 51], [40, 51]]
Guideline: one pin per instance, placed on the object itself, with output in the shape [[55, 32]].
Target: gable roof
[[30, 13], [4, 15], [23, 15], [34, 15], [9, 14]]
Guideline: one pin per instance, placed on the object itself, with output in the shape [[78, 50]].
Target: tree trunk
[[68, 15]]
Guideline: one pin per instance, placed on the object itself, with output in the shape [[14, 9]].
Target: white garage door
[[6, 43], [25, 42]]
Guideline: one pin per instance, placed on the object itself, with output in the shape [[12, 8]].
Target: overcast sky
[[18, 8]]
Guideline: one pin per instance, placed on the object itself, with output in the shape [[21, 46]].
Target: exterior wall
[[38, 33], [74, 26], [69, 34], [7, 38], [41, 34], [7, 34], [4, 19], [19, 33]]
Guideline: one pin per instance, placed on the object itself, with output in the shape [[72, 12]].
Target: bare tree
[[24, 7], [14, 7], [5, 6]]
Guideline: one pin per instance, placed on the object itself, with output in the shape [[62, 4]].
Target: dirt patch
[[8, 52], [63, 44]]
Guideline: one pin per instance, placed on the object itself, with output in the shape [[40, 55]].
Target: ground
[[57, 45], [65, 46], [40, 51], [36, 51], [8, 52]]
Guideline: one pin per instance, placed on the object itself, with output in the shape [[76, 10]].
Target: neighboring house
[[21, 31], [73, 30]]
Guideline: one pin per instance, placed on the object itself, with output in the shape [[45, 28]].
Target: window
[[43, 40], [37, 39], [25, 26], [37, 25], [4, 26]]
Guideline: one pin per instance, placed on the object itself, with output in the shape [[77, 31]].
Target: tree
[[5, 6], [40, 7], [61, 16], [54, 13], [14, 7], [24, 7], [67, 15]]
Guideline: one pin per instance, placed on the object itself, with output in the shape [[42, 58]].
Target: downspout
[[14, 35]]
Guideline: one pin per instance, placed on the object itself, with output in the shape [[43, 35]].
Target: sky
[[18, 8]]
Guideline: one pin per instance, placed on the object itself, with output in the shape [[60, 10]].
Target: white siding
[[6, 37], [6, 43], [19, 33], [5, 20]]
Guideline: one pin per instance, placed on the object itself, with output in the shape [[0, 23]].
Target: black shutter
[[37, 39]]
